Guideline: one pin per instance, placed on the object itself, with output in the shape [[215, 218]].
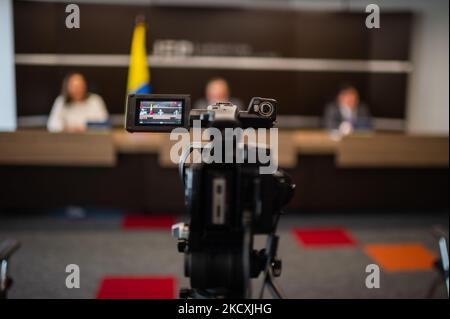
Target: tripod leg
[[274, 289], [248, 245], [444, 258], [268, 277]]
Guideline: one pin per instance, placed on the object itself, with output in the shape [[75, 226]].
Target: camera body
[[163, 112], [227, 202]]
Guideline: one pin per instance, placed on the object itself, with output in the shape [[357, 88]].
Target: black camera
[[162, 113], [228, 200]]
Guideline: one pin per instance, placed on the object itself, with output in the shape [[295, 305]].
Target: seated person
[[217, 90], [347, 113], [76, 107]]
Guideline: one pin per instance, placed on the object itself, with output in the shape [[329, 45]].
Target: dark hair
[[64, 88], [345, 87]]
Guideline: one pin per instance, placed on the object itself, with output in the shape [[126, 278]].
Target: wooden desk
[[160, 144], [51, 149], [138, 143], [101, 149], [393, 150], [370, 150], [314, 142], [134, 171]]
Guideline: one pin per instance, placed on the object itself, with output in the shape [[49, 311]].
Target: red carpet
[[323, 237], [142, 221], [137, 288]]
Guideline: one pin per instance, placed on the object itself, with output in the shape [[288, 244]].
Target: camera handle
[[184, 156]]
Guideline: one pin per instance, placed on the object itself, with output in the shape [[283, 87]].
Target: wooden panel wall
[[106, 29]]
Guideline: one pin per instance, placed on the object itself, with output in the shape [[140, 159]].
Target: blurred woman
[[76, 107]]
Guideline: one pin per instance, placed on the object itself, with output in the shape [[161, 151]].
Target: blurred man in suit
[[347, 113], [217, 90]]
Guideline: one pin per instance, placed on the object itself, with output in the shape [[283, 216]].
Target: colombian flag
[[138, 72]]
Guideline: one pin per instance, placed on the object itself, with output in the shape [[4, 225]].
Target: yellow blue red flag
[[138, 71]]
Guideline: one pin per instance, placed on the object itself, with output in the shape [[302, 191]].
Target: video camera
[[162, 113], [227, 201]]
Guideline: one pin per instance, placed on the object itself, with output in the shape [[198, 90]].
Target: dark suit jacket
[[333, 117]]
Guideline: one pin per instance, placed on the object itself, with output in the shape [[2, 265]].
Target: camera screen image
[[153, 112]]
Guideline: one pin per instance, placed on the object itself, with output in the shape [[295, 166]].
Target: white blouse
[[76, 114]]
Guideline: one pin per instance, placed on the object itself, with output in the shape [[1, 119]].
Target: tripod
[[229, 200], [254, 262], [7, 248], [272, 269]]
